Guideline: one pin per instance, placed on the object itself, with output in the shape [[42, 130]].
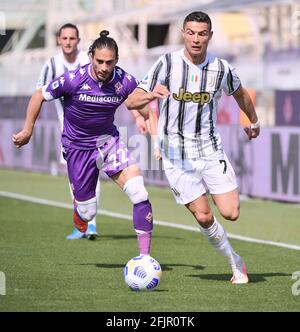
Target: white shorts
[[189, 179]]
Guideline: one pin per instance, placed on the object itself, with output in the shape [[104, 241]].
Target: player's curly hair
[[104, 42]]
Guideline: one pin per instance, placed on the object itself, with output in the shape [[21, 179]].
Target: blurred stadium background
[[260, 38]]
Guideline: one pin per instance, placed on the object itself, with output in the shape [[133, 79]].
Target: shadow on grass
[[133, 236], [253, 277], [164, 267]]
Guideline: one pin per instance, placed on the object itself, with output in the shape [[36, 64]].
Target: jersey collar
[[201, 65]]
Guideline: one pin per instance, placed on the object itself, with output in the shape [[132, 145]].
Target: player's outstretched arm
[[139, 98], [153, 123], [33, 110], [246, 105]]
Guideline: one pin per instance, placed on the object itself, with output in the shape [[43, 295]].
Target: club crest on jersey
[[197, 97], [211, 79], [118, 87]]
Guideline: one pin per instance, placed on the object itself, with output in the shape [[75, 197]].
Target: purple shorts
[[84, 165]]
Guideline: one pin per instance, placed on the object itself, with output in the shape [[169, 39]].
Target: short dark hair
[[198, 17], [68, 25], [104, 42]]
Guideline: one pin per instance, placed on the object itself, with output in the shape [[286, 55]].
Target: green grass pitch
[[45, 272]]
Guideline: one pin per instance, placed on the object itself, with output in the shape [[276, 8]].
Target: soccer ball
[[142, 273]]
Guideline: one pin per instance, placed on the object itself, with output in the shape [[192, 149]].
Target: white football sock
[[93, 221], [217, 237]]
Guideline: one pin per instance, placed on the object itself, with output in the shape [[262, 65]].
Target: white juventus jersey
[[187, 120], [55, 67]]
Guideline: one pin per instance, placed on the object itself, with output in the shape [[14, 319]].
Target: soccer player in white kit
[[68, 59], [189, 83]]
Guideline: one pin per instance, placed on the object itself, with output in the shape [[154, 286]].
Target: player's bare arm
[[153, 123], [246, 105], [139, 121], [33, 110], [139, 98]]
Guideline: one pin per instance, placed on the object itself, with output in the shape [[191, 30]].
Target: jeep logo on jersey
[[197, 97]]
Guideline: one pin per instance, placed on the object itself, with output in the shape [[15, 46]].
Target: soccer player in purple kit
[[67, 59], [90, 139]]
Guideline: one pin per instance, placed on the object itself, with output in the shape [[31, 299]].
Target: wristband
[[255, 125], [155, 145]]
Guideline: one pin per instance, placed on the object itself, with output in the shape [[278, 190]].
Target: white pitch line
[[129, 217]]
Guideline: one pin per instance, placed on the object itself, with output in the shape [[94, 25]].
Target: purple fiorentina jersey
[[89, 105]]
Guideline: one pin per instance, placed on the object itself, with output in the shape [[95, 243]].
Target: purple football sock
[[144, 242], [143, 225]]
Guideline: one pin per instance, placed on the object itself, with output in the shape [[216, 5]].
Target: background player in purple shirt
[[90, 139]]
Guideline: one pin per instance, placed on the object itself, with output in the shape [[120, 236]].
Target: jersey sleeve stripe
[[45, 75], [220, 75], [155, 75], [233, 91], [230, 82], [167, 82], [52, 61]]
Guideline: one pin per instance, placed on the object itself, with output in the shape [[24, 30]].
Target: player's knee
[[205, 219], [231, 213], [87, 210], [135, 190]]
